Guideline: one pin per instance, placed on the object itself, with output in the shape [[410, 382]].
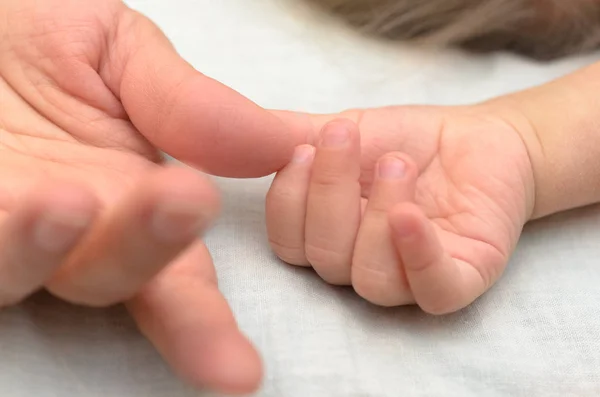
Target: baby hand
[[437, 232]]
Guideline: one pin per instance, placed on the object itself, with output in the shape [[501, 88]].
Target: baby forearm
[[560, 123]]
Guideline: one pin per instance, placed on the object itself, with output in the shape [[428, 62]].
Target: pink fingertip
[[303, 154], [391, 168]]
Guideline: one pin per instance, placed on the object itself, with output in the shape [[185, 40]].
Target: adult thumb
[[189, 116]]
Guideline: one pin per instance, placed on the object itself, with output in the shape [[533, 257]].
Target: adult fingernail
[[57, 232], [177, 221], [391, 168], [335, 135], [303, 154]]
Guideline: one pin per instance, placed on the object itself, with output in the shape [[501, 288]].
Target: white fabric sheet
[[535, 334]]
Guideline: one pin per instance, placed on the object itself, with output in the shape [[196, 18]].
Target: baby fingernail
[[391, 168], [303, 154], [177, 221], [57, 232], [335, 135]]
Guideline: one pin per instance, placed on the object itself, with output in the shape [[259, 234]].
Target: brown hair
[[542, 29]]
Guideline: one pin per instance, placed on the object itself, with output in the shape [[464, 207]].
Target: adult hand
[[90, 92]]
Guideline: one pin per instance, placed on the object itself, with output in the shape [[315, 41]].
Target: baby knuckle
[[332, 265], [289, 254], [323, 256], [327, 179], [279, 192], [374, 285]]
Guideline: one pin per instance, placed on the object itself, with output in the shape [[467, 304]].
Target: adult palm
[[90, 91]]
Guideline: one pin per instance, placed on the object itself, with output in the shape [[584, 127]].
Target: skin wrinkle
[[467, 212], [459, 190], [447, 217], [24, 142], [50, 39], [89, 123], [127, 32], [486, 270], [45, 83], [534, 143], [62, 136]]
